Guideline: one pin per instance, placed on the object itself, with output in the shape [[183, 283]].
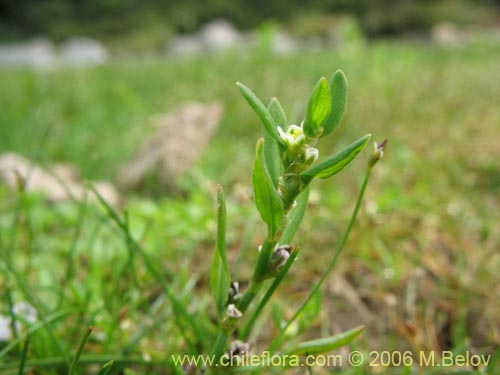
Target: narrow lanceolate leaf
[[271, 147], [337, 162], [220, 277], [277, 112], [295, 217], [326, 344], [338, 93], [318, 108], [261, 111], [106, 368], [267, 199]]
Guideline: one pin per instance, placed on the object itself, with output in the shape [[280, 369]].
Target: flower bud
[[378, 153], [280, 257], [234, 292], [233, 315], [310, 155], [294, 136]]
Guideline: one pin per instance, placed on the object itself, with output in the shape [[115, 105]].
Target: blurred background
[[139, 98]]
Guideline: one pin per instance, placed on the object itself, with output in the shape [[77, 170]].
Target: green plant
[[283, 170]]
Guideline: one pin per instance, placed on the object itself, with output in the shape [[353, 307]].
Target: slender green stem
[[276, 342], [35, 327], [79, 350], [72, 252], [277, 281], [181, 314], [24, 355], [34, 301], [221, 342]]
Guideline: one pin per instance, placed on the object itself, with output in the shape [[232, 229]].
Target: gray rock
[[60, 184], [282, 43], [219, 35], [446, 33], [178, 141], [80, 51], [36, 53], [186, 45]]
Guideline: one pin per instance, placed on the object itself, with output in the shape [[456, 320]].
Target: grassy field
[[421, 269]]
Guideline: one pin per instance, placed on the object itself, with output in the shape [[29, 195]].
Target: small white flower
[[233, 312], [379, 149], [293, 137], [311, 154]]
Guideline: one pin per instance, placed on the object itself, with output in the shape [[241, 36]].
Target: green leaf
[[261, 111], [106, 368], [278, 113], [318, 108], [337, 162], [220, 277], [326, 344], [271, 147], [338, 92], [267, 199], [295, 217]]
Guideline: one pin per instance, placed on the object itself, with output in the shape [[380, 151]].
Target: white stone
[[219, 35], [36, 53], [81, 51]]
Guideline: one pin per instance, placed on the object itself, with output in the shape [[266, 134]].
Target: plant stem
[[277, 340], [221, 342], [24, 355], [79, 350], [277, 281]]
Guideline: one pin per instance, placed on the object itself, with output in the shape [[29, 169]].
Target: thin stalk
[[80, 350], [221, 342], [179, 309], [72, 252], [13, 317], [24, 355], [35, 327], [34, 301], [277, 281], [277, 340]]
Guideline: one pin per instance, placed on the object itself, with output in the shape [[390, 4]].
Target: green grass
[[421, 268]]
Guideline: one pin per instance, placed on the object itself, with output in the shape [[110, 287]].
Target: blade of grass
[[71, 256], [24, 354], [35, 327], [34, 301], [179, 309], [79, 351], [106, 368]]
